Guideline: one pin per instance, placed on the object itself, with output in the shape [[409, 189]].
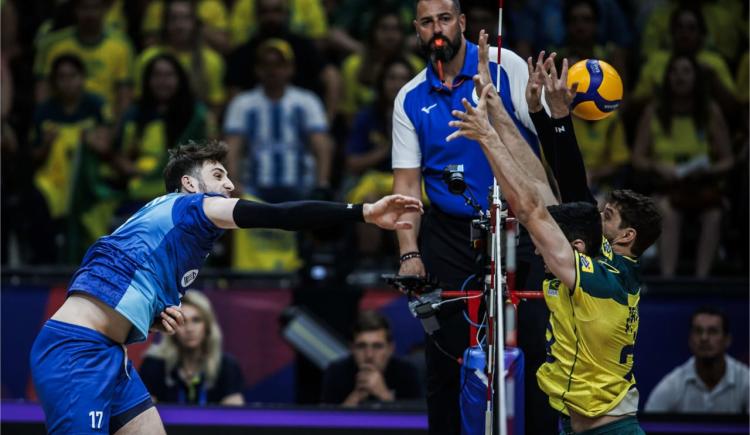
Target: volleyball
[[599, 89]]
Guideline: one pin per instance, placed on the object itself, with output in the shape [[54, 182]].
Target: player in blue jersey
[[131, 282]]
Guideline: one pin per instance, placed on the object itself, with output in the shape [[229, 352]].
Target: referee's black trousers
[[448, 256]]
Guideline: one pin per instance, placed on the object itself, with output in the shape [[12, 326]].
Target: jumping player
[[593, 299], [132, 280]]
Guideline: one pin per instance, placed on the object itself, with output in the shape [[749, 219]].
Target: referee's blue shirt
[[421, 114]]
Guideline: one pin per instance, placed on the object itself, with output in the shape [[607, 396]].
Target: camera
[[453, 176]]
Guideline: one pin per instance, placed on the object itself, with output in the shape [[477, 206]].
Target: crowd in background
[[95, 92]]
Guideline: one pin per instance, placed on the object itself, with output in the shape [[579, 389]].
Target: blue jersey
[[421, 114], [147, 263]]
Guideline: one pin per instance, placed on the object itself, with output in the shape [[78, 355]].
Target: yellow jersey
[[307, 18], [591, 335], [109, 62], [212, 13]]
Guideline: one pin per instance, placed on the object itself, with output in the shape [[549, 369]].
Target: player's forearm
[[568, 167], [295, 215], [516, 144], [405, 183], [522, 196]]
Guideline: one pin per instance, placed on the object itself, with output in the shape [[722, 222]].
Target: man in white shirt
[[711, 381]]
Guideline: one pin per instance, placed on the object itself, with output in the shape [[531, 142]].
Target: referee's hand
[[412, 266]]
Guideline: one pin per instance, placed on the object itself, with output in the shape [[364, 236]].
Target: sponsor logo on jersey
[[428, 109], [586, 264], [554, 286], [189, 277], [609, 267]]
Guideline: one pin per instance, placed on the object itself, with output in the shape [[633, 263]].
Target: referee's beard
[[446, 53]]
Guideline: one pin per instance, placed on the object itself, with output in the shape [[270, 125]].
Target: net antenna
[[496, 342]]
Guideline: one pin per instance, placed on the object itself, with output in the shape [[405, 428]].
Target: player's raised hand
[[473, 123], [558, 95], [388, 212], [483, 65], [537, 73]]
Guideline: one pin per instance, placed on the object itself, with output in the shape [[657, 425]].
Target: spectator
[[213, 20], [165, 115], [107, 55], [683, 141], [581, 18], [710, 381], [313, 72], [723, 26], [278, 132], [359, 71], [688, 31], [536, 25], [306, 18], [190, 366], [372, 373], [350, 21], [181, 37], [368, 154], [602, 142], [70, 146]]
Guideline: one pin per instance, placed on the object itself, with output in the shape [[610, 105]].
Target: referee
[[421, 114]]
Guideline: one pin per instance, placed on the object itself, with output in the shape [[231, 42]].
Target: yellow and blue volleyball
[[599, 89]]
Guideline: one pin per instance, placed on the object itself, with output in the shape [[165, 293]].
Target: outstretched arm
[[502, 122], [563, 154], [302, 215], [519, 189]]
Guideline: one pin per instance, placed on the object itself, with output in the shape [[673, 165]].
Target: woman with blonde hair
[[189, 367]]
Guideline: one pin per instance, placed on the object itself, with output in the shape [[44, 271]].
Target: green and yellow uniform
[[109, 61], [591, 335]]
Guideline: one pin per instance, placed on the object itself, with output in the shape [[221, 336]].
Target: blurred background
[[94, 93]]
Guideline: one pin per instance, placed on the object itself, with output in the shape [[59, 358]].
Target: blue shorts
[[84, 381]]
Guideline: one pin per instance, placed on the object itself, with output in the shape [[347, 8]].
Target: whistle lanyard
[[186, 393]]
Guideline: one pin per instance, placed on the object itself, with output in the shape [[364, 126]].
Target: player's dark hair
[[63, 59], [370, 320], [456, 5], [580, 220], [640, 213], [700, 94], [712, 311], [188, 159]]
